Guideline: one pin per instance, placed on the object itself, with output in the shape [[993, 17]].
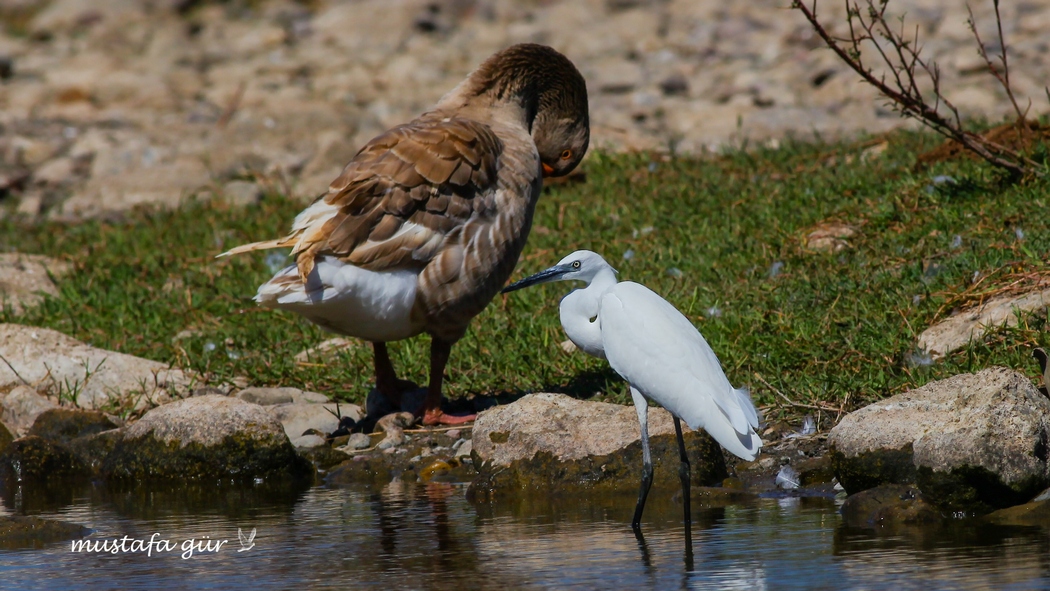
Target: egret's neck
[[579, 313]]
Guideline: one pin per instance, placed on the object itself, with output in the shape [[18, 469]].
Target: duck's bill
[[553, 274]]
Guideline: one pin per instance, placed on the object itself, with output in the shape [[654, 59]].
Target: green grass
[[832, 329]]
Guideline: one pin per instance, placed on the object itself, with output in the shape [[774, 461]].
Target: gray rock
[[21, 406], [394, 425], [308, 441], [972, 442], [272, 396], [268, 396], [465, 449], [957, 331], [64, 367], [25, 279], [553, 441], [299, 417], [205, 437], [359, 441]]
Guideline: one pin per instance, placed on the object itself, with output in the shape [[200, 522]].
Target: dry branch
[[902, 56]]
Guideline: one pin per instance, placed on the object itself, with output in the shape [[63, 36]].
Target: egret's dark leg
[[683, 470], [684, 474], [642, 406], [643, 547], [432, 413]]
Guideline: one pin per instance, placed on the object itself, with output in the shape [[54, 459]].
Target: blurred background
[[107, 105]]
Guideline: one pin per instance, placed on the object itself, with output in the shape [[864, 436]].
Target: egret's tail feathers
[[268, 244], [743, 445], [743, 396]]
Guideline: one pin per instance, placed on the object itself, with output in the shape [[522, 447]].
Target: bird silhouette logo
[[247, 541]]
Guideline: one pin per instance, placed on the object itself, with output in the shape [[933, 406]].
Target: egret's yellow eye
[[576, 264], [566, 154]]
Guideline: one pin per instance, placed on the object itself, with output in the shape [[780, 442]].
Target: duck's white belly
[[341, 298]]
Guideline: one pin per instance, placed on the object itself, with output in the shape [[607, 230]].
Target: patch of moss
[[889, 505], [1036, 513], [973, 490], [238, 457], [603, 474], [870, 469], [371, 470], [5, 438], [33, 458], [498, 437], [324, 457], [18, 532], [65, 424]]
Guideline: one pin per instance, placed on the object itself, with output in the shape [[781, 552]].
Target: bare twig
[[906, 65]]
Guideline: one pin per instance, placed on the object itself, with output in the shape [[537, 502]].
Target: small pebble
[[775, 269], [359, 441], [675, 272], [465, 449], [453, 434], [385, 445], [458, 443], [629, 254]]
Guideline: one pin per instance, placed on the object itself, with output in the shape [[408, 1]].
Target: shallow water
[[430, 537]]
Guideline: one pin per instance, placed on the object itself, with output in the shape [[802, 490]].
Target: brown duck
[[426, 223]]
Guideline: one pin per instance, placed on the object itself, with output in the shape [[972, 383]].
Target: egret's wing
[[655, 348], [399, 197]]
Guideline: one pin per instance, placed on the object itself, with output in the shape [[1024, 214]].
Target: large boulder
[[554, 442], [205, 437], [972, 442], [69, 369]]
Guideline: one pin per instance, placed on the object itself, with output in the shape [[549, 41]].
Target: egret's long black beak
[[553, 274]]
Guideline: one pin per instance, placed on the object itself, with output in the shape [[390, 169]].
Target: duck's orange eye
[[566, 154]]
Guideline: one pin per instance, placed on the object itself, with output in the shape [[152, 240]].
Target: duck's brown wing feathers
[[399, 197]]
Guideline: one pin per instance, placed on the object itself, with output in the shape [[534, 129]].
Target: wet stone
[[1035, 513], [33, 458], [972, 443], [19, 532], [205, 437], [323, 457], [888, 505], [65, 424]]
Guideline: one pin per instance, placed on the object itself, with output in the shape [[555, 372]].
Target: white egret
[[663, 357]]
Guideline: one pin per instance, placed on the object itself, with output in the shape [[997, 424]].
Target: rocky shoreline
[[969, 447]]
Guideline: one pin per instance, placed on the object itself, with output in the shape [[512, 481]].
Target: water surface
[[416, 536]]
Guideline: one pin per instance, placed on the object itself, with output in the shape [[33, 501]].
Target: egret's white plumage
[[657, 350]]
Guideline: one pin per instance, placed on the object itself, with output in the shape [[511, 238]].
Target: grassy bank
[[721, 237]]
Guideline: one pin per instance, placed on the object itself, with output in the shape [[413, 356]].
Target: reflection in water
[[429, 537]]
